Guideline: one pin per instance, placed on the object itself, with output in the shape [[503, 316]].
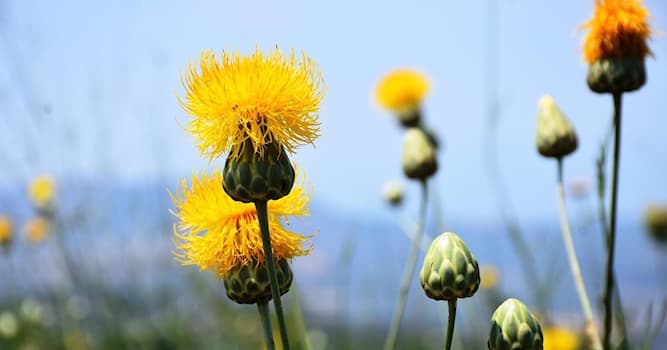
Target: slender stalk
[[263, 218], [591, 330], [408, 273], [450, 322], [263, 309], [609, 275]]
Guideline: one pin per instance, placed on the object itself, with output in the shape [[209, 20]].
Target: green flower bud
[[513, 327], [250, 178], [450, 271], [615, 75], [555, 136], [419, 157], [655, 220], [250, 284], [393, 193]]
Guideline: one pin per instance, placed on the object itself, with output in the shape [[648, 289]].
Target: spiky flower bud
[[450, 271], [555, 135], [393, 193], [252, 177], [513, 327], [419, 155], [655, 220], [616, 75], [249, 284]]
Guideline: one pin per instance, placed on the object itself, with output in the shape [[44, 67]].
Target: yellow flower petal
[[618, 29], [42, 191], [402, 89], [264, 97], [215, 232], [36, 229], [556, 338], [6, 228]]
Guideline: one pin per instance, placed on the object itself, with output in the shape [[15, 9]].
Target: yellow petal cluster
[[556, 338], [402, 89], [217, 233], [41, 191], [618, 29], [36, 229], [262, 97], [6, 228]]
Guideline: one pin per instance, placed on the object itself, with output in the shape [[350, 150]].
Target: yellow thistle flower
[[6, 228], [402, 89], [556, 338], [261, 97], [489, 276], [217, 233], [618, 29], [42, 191], [36, 229]]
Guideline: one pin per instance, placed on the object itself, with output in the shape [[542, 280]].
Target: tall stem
[[263, 218], [591, 329], [263, 309], [609, 275], [450, 322], [408, 273]]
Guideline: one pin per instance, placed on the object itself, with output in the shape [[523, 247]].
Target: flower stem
[[263, 309], [408, 273], [263, 218], [591, 330], [450, 323], [609, 275]]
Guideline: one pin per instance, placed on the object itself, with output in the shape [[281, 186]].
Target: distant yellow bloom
[[36, 229], [6, 229], [618, 29], [215, 232], [42, 191], [402, 89], [261, 97], [489, 276], [556, 338]]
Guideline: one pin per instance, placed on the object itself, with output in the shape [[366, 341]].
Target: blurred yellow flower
[[215, 232], [556, 338], [402, 89], [42, 191], [262, 97], [618, 29], [36, 229], [6, 230], [489, 276]]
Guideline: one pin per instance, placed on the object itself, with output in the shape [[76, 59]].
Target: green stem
[[263, 309], [609, 275], [263, 218], [408, 273], [591, 330], [450, 322]]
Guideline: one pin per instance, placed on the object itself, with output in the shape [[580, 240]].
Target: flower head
[[402, 89], [618, 29], [556, 338], [36, 229], [264, 97], [215, 232], [42, 191], [6, 228]]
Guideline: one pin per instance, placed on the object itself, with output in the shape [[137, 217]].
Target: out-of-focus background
[[88, 97]]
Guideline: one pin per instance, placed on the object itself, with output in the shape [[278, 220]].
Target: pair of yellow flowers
[[276, 98]]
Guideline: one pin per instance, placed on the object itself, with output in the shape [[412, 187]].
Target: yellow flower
[[6, 228], [618, 30], [402, 89], [215, 232], [36, 229], [42, 191], [261, 97], [489, 276], [556, 338]]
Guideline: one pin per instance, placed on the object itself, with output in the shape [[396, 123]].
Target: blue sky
[[89, 90]]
